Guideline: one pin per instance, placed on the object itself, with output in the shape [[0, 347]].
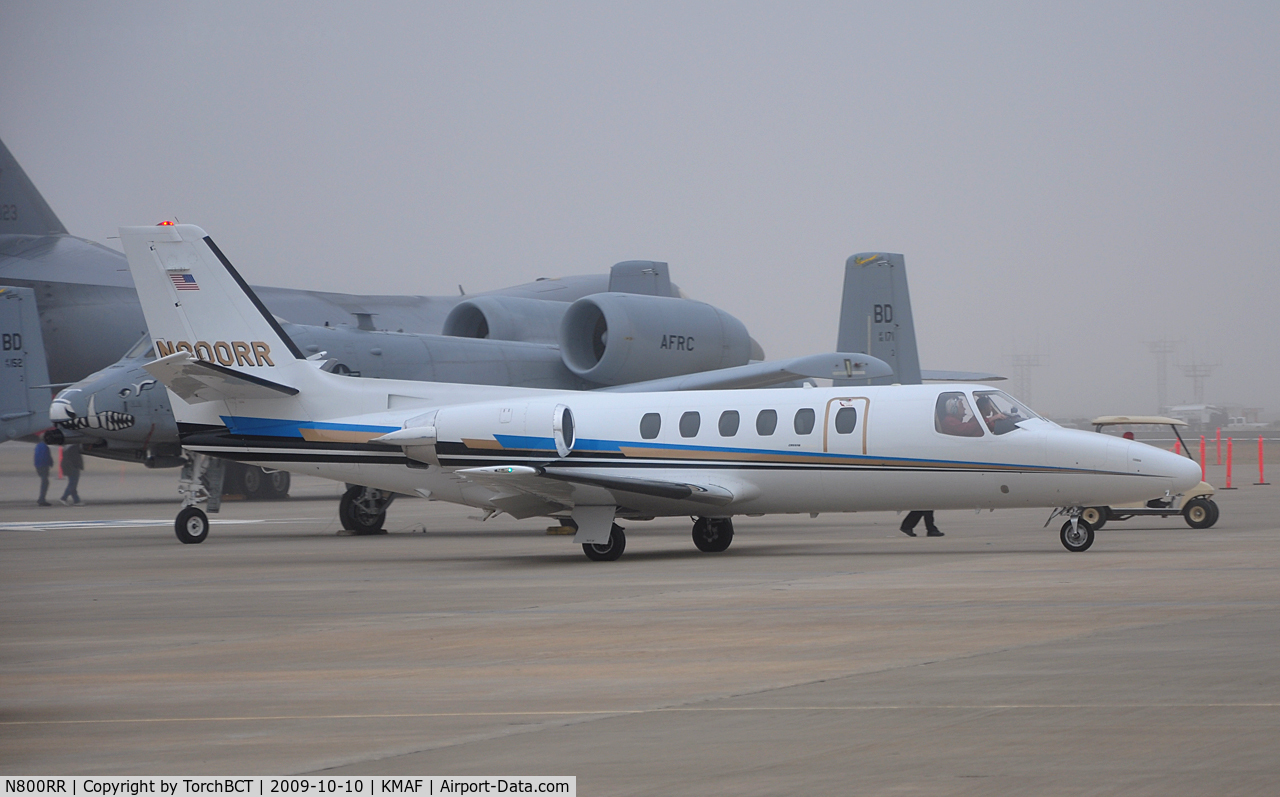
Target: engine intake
[[618, 338]]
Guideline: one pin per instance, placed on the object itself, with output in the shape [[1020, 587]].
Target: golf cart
[[1195, 505]]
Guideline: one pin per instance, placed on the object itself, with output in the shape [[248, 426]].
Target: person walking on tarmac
[[43, 462], [913, 517], [72, 464]]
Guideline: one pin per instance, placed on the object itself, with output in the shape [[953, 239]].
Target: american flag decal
[[184, 282]]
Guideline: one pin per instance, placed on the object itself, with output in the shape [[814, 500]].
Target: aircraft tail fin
[[648, 277], [196, 302], [875, 317], [24, 379], [22, 210]]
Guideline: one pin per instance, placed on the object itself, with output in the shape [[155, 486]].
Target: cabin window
[[1000, 412], [846, 419], [689, 423], [766, 422], [728, 423], [650, 425], [953, 416], [804, 421]]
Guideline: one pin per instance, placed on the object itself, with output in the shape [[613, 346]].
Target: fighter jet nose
[[60, 411]]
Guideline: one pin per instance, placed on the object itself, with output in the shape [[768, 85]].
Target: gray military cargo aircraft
[[87, 313]]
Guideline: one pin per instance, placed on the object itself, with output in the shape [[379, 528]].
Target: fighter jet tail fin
[[22, 210], [875, 317], [24, 377], [196, 302]]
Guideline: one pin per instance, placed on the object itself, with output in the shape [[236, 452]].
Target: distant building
[[1200, 417]]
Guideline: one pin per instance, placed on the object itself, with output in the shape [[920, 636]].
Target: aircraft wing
[[527, 491], [960, 376], [196, 381], [835, 365]]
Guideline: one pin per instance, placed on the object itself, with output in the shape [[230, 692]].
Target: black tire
[[1200, 513], [1095, 516], [278, 482], [356, 518], [1078, 539], [254, 481], [712, 535], [191, 526], [611, 550], [1214, 504]]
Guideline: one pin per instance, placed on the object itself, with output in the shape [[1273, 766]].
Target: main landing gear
[[609, 551], [712, 534], [255, 483], [363, 510]]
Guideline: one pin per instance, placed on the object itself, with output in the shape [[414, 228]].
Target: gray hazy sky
[[1069, 180]]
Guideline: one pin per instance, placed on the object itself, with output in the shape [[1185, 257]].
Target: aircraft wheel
[[278, 484], [1077, 538], [251, 476], [1095, 516], [356, 516], [712, 535], [192, 526], [1200, 513], [611, 550]]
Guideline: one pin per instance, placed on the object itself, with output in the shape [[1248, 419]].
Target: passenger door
[[844, 428]]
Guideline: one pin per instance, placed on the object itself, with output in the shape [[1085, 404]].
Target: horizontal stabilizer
[[196, 381], [960, 376], [836, 365]]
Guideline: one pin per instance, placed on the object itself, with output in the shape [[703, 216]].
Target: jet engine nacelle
[[617, 338], [506, 318], [541, 427]]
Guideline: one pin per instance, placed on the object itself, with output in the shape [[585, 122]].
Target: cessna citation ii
[[592, 459]]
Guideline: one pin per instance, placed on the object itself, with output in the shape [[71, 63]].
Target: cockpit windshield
[[143, 345], [1000, 412]]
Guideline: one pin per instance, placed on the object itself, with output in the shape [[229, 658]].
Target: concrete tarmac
[[828, 655]]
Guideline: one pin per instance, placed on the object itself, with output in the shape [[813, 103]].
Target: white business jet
[[245, 392]]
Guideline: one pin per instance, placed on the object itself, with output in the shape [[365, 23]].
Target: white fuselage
[[892, 456]]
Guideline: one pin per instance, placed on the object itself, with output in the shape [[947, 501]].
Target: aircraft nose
[[1182, 471], [60, 411], [1185, 471]]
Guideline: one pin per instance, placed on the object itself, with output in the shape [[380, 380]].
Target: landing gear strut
[[712, 534], [200, 483], [363, 510]]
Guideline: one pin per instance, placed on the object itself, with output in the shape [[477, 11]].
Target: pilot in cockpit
[[955, 417], [998, 422]]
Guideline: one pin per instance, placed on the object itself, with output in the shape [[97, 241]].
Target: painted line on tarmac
[[124, 523], [626, 712]]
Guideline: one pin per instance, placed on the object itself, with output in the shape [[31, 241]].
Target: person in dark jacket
[[44, 461], [72, 464]]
